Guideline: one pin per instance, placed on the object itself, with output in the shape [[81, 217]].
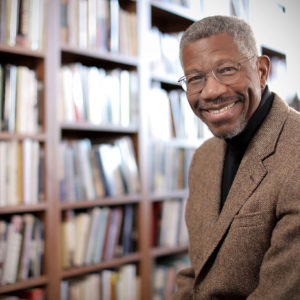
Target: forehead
[[205, 53]]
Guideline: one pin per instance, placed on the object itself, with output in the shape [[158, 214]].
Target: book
[[3, 245], [101, 234], [27, 170], [12, 173], [110, 158], [97, 175], [114, 26], [1, 86], [14, 241], [9, 105], [68, 235], [128, 164], [3, 170], [26, 246], [127, 243], [67, 111], [156, 223], [102, 24], [83, 148], [23, 24], [124, 98], [37, 249], [127, 285], [34, 294], [82, 223], [92, 234], [12, 21], [36, 25], [95, 107], [106, 284], [92, 24], [77, 92], [82, 24], [113, 232], [3, 16], [159, 114], [170, 220]]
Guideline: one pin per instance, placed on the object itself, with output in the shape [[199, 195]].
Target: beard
[[226, 100], [236, 131]]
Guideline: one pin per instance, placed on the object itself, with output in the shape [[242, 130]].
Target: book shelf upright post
[[52, 234], [144, 23]]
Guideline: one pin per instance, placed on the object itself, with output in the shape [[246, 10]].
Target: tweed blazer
[[251, 249]]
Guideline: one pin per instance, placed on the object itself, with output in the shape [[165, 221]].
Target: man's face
[[224, 108]]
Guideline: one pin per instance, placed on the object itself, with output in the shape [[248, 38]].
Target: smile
[[218, 111]]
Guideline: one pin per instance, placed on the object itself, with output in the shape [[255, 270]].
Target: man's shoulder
[[210, 148]]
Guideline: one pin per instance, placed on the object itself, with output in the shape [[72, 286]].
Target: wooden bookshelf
[[47, 63]]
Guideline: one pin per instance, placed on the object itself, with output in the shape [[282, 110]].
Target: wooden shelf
[[21, 51], [172, 11], [21, 285], [39, 207], [158, 252], [167, 79], [108, 201], [82, 126], [116, 262], [94, 57], [161, 196], [4, 135]]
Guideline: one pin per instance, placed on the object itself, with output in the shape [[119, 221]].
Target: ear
[[263, 68]]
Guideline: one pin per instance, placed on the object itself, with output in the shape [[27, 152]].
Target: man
[[243, 210]]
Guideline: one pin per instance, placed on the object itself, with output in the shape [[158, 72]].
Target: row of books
[[97, 235], [22, 23], [121, 284], [162, 57], [91, 171], [168, 223], [169, 167], [20, 99], [170, 116], [98, 24], [91, 94], [164, 277], [31, 294], [21, 173], [21, 248]]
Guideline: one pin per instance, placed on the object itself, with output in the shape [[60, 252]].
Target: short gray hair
[[236, 27]]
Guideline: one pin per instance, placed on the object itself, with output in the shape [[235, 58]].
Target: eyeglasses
[[227, 72]]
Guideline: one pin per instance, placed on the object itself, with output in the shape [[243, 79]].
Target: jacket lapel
[[250, 174]]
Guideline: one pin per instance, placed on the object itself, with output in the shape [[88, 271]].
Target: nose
[[212, 88]]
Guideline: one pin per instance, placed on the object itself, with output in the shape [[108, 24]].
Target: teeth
[[217, 111]]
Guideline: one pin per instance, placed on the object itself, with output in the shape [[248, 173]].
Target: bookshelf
[[80, 50]]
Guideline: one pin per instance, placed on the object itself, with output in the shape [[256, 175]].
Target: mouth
[[221, 110]]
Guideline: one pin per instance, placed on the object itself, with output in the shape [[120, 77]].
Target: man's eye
[[227, 70], [196, 79]]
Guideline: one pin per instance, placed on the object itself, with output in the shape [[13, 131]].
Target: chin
[[229, 134]]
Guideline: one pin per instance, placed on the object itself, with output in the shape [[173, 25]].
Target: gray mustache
[[220, 100]]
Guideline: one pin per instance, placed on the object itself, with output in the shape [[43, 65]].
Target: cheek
[[193, 103]]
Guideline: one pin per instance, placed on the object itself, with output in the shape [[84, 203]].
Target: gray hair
[[237, 28]]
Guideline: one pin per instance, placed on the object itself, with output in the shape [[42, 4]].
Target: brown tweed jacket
[[251, 250]]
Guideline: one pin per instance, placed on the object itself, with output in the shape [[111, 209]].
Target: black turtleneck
[[237, 145]]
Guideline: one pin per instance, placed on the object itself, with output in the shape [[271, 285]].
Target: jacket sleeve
[[185, 282], [279, 276]]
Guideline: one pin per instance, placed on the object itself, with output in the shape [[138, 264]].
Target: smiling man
[[243, 210]]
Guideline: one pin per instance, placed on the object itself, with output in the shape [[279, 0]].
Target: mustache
[[220, 100]]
